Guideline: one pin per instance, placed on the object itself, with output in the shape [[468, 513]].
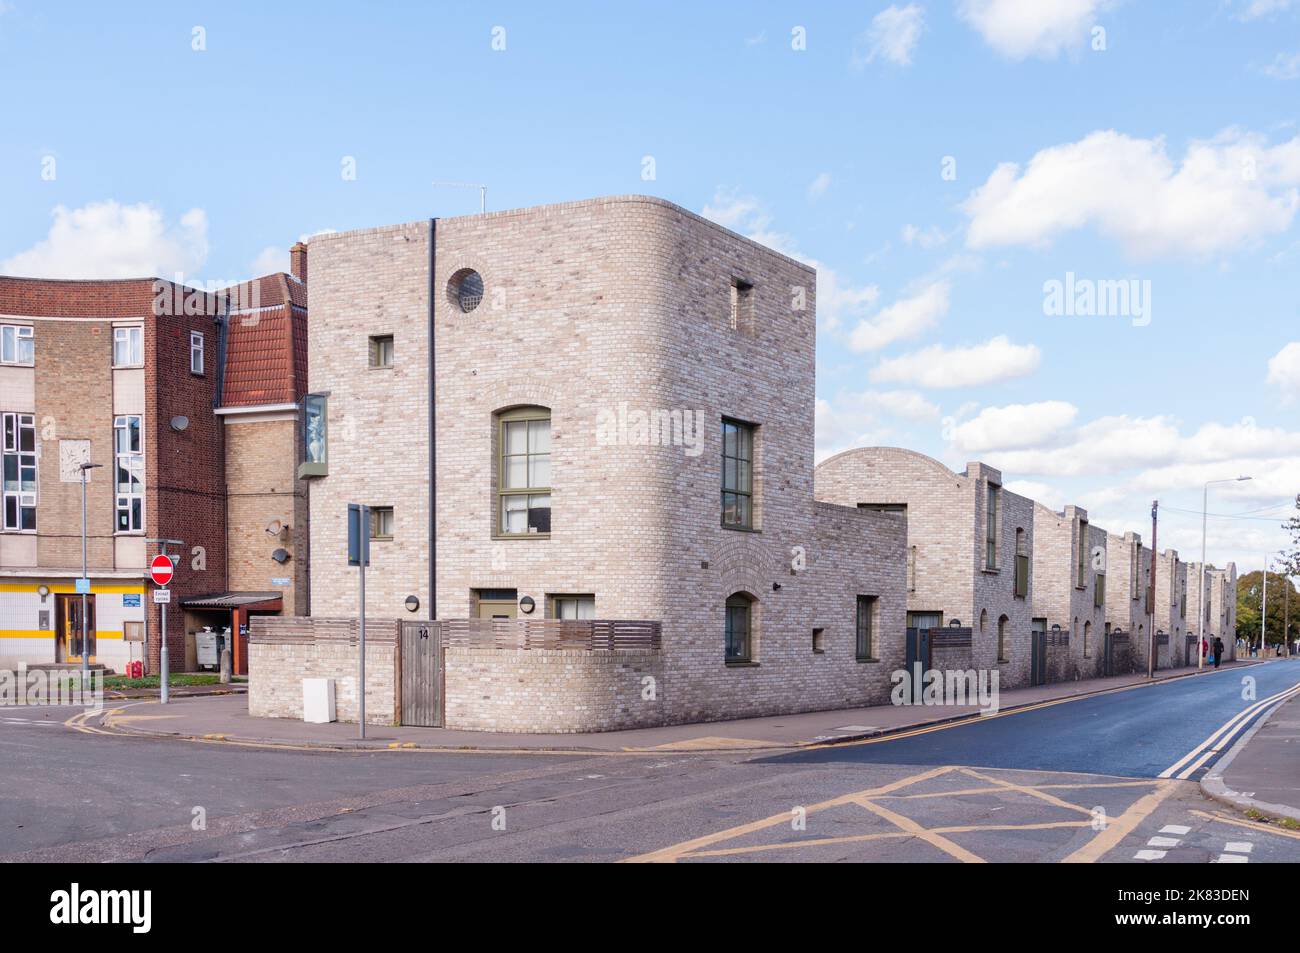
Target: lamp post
[[85, 580], [1200, 579], [1263, 606]]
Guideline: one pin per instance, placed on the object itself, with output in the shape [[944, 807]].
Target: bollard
[[225, 666]]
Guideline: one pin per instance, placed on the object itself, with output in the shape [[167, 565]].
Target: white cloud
[[892, 36], [995, 360], [1042, 492], [270, 260], [926, 238], [109, 240], [1018, 29], [1118, 444], [863, 419], [1284, 370], [905, 318], [1254, 9], [837, 299], [1284, 66], [1228, 192], [818, 186], [1014, 426]]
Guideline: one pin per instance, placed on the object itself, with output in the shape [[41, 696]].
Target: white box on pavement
[[318, 700]]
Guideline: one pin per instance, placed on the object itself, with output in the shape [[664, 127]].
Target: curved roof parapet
[[890, 451]]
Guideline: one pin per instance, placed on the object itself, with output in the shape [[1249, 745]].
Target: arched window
[[1087, 634], [984, 619], [524, 472], [739, 627], [1003, 623]]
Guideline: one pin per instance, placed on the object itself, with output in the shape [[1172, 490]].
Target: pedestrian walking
[[1218, 651]]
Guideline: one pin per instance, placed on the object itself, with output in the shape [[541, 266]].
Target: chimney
[[298, 261]]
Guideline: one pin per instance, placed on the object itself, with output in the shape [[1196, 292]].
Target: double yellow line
[[1187, 765]]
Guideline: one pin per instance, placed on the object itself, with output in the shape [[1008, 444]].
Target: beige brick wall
[[1059, 598], [946, 521], [282, 651], [262, 487], [591, 307], [552, 691]]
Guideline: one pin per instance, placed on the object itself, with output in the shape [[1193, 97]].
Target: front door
[[67, 647]]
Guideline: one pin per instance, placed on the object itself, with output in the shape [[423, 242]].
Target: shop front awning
[[268, 601]]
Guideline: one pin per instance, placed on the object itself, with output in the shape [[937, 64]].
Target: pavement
[[1261, 772], [226, 718]]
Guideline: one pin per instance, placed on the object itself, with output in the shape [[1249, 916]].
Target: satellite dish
[[180, 423]]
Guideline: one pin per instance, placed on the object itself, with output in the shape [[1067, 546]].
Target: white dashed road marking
[[1178, 829], [1163, 842], [1240, 847], [1149, 855]]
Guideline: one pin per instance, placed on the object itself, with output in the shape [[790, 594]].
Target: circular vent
[[466, 289]]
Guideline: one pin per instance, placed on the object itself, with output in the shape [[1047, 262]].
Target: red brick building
[[127, 375]]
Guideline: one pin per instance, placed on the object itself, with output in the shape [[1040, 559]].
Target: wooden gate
[[421, 674]]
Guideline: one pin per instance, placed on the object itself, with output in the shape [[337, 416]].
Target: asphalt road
[[1075, 781]]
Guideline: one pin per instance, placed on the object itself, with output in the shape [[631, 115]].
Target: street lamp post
[[1200, 580], [85, 581], [1263, 607]]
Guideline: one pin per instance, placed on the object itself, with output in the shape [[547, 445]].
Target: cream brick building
[[1128, 575], [963, 567], [1070, 579], [596, 371], [1171, 612]]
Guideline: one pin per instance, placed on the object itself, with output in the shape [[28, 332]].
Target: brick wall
[[262, 487], [544, 691], [590, 307], [283, 650], [946, 522]]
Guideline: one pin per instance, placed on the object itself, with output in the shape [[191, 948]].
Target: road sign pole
[[359, 556], [162, 657], [162, 569], [361, 691]]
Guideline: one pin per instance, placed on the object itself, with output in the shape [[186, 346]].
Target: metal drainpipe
[[433, 415]]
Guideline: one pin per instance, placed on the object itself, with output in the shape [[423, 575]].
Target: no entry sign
[[161, 570]]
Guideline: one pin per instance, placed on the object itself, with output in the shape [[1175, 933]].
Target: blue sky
[[1163, 150]]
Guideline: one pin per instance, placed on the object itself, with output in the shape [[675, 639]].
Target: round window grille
[[466, 289]]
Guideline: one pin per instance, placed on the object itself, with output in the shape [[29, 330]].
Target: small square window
[[381, 522], [381, 351]]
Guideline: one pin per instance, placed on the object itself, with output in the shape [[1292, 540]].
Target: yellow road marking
[[817, 842], [695, 744], [668, 855], [1122, 826], [1252, 825], [1224, 730], [969, 720], [1041, 795], [924, 833]]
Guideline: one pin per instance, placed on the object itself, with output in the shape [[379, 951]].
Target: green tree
[[1248, 599]]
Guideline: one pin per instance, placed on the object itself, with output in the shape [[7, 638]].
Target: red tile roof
[[266, 342]]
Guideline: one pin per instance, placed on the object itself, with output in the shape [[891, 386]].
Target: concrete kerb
[[381, 745], [1213, 786]]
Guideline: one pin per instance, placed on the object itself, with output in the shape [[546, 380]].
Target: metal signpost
[[359, 556], [161, 570]]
